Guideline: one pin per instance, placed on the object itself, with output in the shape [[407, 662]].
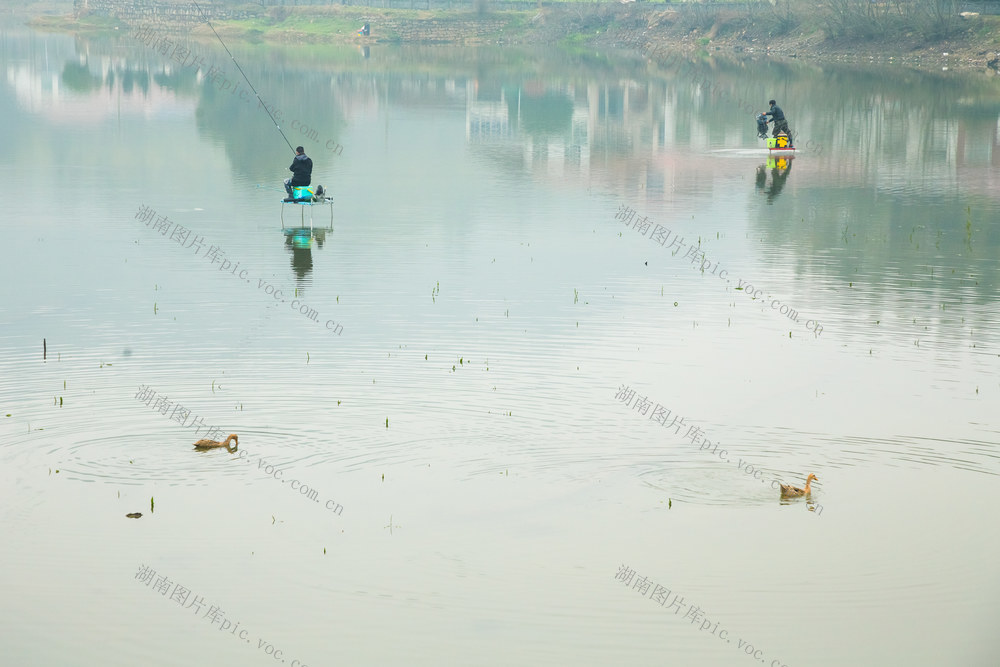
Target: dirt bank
[[971, 41]]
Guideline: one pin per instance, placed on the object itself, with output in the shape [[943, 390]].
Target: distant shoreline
[[699, 31]]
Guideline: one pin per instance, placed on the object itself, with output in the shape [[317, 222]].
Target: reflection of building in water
[[616, 132], [978, 157], [486, 119], [91, 92], [919, 150], [542, 120], [659, 135]]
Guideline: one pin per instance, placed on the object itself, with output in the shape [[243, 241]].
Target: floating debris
[[134, 515]]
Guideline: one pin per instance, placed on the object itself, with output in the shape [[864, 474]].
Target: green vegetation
[[87, 23], [288, 24]]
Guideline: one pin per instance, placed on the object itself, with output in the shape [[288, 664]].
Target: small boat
[[780, 144]]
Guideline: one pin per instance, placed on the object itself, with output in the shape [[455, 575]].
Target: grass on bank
[[87, 23], [294, 26], [316, 24]]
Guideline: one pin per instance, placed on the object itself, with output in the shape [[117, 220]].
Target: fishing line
[[245, 77]]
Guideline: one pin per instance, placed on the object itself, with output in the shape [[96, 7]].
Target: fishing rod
[[245, 77]]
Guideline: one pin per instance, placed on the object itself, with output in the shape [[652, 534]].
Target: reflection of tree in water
[[77, 77], [132, 78], [177, 80], [541, 112], [252, 143]]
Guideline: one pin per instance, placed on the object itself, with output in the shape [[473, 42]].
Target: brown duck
[[212, 444], [789, 491]]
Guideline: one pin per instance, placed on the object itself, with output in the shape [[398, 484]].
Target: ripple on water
[[691, 475], [140, 458]]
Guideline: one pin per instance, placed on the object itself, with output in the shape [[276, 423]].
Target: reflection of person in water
[[299, 241], [780, 169]]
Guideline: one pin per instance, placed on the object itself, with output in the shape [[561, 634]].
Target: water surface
[[488, 417]]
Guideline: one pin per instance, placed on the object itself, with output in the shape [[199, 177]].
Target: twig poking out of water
[[44, 351]]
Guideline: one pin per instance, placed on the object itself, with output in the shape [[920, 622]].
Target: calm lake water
[[473, 410]]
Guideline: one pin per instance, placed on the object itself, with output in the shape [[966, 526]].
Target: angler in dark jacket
[[780, 124], [301, 168]]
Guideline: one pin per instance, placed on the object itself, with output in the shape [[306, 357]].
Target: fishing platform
[[780, 145], [306, 197]]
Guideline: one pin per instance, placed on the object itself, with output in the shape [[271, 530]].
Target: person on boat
[[780, 124], [302, 167]]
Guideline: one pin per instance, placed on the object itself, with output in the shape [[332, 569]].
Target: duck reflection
[[299, 241], [780, 168]]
